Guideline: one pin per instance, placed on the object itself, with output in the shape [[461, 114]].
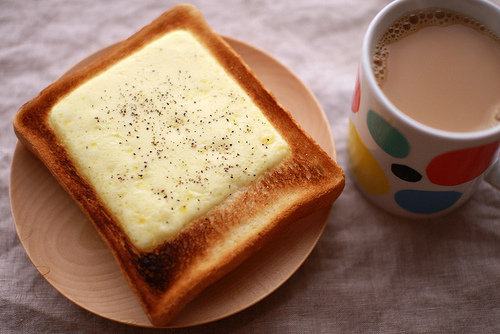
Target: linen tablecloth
[[369, 273]]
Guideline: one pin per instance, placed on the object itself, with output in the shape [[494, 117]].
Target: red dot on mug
[[356, 96], [457, 167]]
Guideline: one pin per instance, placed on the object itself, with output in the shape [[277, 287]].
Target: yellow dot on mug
[[365, 168]]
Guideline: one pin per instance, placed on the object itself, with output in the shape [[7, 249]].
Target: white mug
[[405, 167]]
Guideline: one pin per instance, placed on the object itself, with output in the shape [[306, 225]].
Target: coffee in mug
[[441, 68]]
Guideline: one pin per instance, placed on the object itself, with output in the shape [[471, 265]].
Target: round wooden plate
[[68, 252]]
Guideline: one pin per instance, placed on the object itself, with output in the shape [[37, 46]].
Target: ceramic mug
[[405, 167]]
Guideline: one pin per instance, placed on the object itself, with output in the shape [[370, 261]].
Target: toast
[[185, 165]]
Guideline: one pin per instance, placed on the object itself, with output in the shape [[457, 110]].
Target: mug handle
[[493, 176]]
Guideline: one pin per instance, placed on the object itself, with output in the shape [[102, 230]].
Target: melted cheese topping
[[165, 135]]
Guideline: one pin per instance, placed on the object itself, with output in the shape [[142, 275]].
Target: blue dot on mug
[[426, 202], [387, 137]]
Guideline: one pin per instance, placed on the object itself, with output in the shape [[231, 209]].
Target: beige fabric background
[[370, 272]]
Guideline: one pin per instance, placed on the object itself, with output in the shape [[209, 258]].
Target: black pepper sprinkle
[[171, 127]]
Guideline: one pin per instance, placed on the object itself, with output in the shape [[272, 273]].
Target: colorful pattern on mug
[[447, 169]]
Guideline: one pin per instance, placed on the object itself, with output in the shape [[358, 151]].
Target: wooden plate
[[68, 252]]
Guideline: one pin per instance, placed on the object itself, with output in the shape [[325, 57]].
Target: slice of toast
[[175, 241]]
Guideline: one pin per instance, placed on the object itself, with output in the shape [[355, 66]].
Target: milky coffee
[[441, 68]]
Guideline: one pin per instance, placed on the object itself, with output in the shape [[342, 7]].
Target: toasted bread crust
[[167, 278]]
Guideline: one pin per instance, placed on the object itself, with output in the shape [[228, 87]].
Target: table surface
[[370, 272]]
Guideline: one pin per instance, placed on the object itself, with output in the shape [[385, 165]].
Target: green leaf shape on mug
[[387, 137], [364, 166]]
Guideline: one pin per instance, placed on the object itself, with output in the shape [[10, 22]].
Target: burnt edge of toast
[[150, 274], [160, 267]]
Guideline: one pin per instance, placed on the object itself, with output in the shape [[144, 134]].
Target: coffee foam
[[411, 22]]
